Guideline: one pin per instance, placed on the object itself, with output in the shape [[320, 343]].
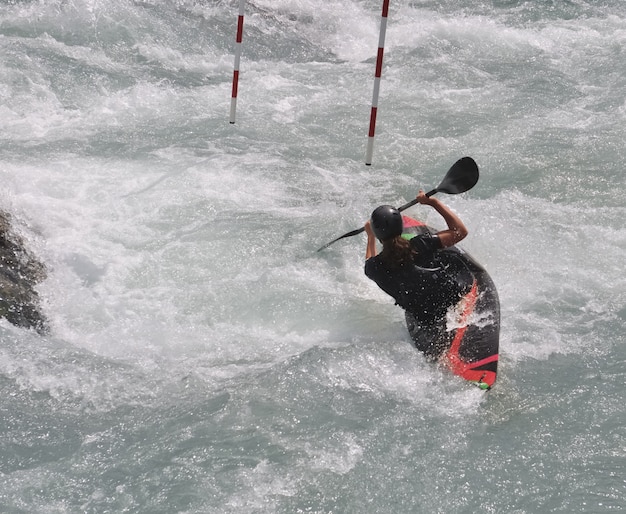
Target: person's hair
[[397, 252]]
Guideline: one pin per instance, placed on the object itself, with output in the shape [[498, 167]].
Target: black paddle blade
[[461, 177], [349, 234]]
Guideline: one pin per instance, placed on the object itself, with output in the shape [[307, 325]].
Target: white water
[[204, 358]]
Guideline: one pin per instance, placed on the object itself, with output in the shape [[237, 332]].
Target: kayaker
[[410, 271]]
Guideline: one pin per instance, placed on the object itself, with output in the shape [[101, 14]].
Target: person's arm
[[371, 241], [456, 229]]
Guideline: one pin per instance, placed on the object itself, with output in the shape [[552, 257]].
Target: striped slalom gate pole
[[239, 37], [377, 75]]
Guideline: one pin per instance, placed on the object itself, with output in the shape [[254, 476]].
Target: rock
[[20, 272]]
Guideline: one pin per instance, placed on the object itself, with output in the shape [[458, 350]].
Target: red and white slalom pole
[[377, 75], [239, 37]]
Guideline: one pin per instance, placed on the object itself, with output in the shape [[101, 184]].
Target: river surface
[[204, 358]]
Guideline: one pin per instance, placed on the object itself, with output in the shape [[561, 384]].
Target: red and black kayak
[[466, 341]]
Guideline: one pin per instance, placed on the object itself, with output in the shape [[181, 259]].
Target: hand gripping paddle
[[461, 177]]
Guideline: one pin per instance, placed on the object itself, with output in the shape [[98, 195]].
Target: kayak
[[467, 341]]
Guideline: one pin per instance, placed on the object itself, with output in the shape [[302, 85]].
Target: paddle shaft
[[414, 201], [362, 229]]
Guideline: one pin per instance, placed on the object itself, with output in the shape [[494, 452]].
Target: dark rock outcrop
[[20, 272]]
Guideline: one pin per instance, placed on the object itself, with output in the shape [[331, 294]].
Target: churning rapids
[[202, 357]]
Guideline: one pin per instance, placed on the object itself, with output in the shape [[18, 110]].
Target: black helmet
[[386, 222]]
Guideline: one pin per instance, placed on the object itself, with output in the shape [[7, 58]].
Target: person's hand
[[368, 228], [422, 198]]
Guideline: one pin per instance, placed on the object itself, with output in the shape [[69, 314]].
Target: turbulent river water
[[204, 358]]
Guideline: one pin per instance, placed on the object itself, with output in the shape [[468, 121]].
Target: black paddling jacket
[[425, 288]]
